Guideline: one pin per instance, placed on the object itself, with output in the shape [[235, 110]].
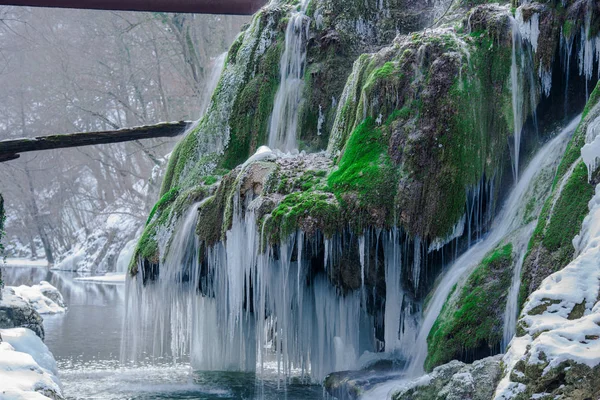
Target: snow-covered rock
[[15, 312], [455, 381], [27, 368], [556, 353], [107, 244], [45, 298]]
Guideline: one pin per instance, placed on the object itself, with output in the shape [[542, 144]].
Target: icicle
[[416, 269], [529, 30], [566, 48], [361, 252], [320, 122], [394, 292]]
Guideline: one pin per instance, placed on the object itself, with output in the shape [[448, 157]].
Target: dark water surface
[[86, 343]]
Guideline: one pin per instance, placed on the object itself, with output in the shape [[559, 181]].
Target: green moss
[[252, 109], [210, 180], [366, 169], [322, 209], [166, 199], [573, 151], [475, 320], [568, 214]]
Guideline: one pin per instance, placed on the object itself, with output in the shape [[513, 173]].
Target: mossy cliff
[[415, 99], [551, 247], [237, 121]]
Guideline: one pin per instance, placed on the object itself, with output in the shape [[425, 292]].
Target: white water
[[284, 120], [507, 221], [517, 97], [216, 69], [512, 301]]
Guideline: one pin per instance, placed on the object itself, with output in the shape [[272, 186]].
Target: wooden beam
[[225, 7], [10, 149]]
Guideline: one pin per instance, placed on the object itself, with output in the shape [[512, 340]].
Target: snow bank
[[44, 298], [27, 368], [561, 320], [112, 279]]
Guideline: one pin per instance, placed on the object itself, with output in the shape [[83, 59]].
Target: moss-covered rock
[[413, 100], [470, 324]]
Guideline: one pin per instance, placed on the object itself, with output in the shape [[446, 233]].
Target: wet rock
[[15, 312], [455, 381]]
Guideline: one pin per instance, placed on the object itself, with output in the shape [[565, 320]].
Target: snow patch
[[554, 334], [27, 368]]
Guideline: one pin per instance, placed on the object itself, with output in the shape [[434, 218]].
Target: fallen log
[[11, 149]]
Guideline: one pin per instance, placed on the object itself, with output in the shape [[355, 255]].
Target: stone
[[16, 312]]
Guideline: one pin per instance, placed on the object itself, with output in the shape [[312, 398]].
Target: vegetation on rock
[[551, 248], [470, 323]]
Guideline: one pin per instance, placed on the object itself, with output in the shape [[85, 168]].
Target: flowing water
[[86, 342], [284, 120], [517, 95]]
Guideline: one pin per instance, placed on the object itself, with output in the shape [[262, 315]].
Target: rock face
[[455, 381], [555, 352], [17, 312]]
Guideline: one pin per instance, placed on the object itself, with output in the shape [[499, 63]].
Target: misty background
[[64, 71]]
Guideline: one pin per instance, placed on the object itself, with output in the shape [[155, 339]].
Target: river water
[[86, 342]]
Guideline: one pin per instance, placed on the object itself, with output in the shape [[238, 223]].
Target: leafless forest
[[65, 71]]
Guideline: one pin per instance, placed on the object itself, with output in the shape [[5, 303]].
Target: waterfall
[[216, 69], [246, 310], [507, 221], [284, 120], [517, 97], [158, 315]]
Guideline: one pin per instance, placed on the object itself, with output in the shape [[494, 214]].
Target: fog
[[64, 71]]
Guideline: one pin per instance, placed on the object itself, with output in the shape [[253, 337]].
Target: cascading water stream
[[218, 63], [284, 120], [507, 221], [517, 97], [520, 250]]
